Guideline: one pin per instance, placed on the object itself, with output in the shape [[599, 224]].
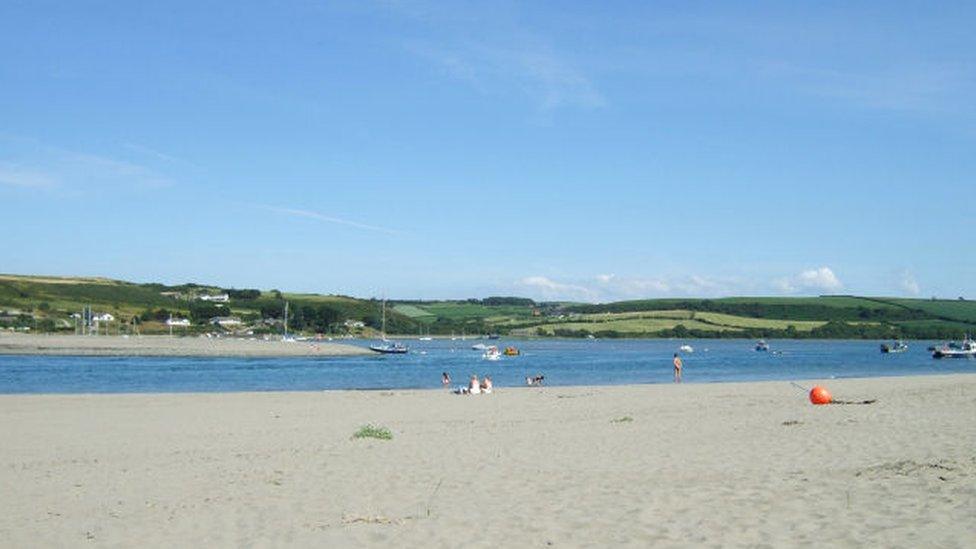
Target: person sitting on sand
[[474, 388], [534, 381], [486, 385], [677, 368], [445, 379]]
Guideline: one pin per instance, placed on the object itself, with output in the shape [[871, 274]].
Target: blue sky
[[559, 150]]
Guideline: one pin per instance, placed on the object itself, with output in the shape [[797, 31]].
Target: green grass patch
[[452, 310], [623, 419], [412, 311], [372, 431], [733, 321]]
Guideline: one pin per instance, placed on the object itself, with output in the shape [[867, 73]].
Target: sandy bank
[[748, 464], [166, 346]]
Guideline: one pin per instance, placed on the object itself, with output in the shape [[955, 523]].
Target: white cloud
[[544, 288], [821, 279], [30, 163], [613, 287], [538, 73], [908, 284], [906, 88], [16, 176], [610, 287]]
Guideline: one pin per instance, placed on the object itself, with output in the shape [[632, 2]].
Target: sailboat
[[386, 346]]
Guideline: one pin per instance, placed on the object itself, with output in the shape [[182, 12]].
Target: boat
[[491, 353], [511, 351], [761, 345], [385, 346], [425, 338], [686, 349], [896, 347], [965, 350], [389, 348], [494, 336], [479, 347]]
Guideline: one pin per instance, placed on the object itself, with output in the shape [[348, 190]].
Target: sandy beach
[[73, 345], [744, 464]]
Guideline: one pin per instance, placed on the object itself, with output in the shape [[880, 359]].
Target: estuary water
[[562, 362]]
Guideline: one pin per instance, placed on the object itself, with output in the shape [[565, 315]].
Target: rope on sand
[[833, 400]]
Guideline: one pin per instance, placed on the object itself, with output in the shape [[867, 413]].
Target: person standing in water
[[677, 368]]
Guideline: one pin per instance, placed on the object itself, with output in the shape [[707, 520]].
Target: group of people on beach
[[485, 385], [477, 387], [474, 387]]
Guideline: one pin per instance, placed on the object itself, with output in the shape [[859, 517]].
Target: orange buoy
[[820, 395]]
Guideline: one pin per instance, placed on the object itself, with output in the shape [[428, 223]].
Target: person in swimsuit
[[677, 368], [445, 379]]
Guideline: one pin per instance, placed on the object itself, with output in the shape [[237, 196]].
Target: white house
[[182, 322], [225, 321], [104, 317], [355, 324], [219, 298]]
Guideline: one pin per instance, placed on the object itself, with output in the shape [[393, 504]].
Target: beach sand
[[737, 464], [74, 345]]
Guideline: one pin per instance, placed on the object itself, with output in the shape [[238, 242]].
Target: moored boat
[[966, 350], [761, 345], [896, 347], [492, 353], [389, 348], [386, 346]]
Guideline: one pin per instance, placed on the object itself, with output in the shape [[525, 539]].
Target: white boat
[[491, 353], [479, 347], [896, 347], [966, 350], [686, 348], [761, 345], [425, 338]]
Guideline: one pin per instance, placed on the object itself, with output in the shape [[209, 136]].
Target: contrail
[[329, 219]]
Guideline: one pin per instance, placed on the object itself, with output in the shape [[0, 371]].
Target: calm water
[[563, 362]]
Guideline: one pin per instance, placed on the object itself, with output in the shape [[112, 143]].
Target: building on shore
[[226, 321]]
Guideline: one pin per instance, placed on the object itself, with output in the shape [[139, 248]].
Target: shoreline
[[168, 346], [551, 387]]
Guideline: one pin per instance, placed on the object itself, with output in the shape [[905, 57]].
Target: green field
[[414, 312], [656, 321], [466, 311], [634, 326], [963, 311], [762, 323]]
